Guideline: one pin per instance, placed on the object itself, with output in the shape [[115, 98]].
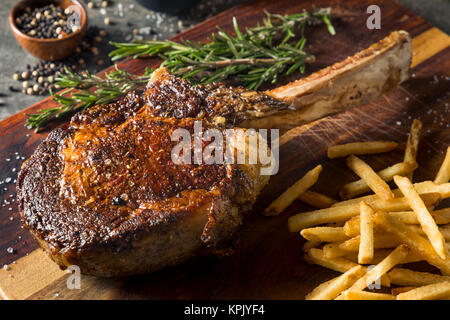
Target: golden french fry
[[434, 291], [341, 213], [332, 250], [365, 172], [443, 189], [443, 174], [444, 230], [397, 291], [368, 147], [316, 256], [380, 254], [417, 244], [366, 244], [356, 188], [331, 289], [421, 187], [426, 220], [316, 200], [311, 244], [287, 197], [381, 241], [394, 258], [412, 145], [352, 226], [365, 295], [406, 277], [317, 291], [409, 217], [325, 234]]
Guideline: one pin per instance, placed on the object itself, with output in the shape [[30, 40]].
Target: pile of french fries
[[369, 238]]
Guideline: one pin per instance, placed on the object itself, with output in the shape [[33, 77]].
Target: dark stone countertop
[[127, 15]]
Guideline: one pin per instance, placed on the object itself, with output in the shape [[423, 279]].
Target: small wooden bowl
[[48, 49]]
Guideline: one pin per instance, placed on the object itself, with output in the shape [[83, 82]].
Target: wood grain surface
[[267, 263]]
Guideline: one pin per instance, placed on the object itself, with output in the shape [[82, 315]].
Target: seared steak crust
[[105, 186], [171, 96]]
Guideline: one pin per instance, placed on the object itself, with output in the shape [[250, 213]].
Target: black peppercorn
[[118, 201]]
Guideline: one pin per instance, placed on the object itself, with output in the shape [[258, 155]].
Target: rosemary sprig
[[254, 55], [78, 95], [257, 55]]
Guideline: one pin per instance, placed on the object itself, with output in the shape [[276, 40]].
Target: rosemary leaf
[[116, 83], [265, 47]]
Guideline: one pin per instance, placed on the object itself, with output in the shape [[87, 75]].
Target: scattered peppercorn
[[41, 76]]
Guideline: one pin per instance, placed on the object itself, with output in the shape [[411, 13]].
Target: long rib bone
[[357, 80]]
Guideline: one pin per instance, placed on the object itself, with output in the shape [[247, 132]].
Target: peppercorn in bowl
[[48, 29]]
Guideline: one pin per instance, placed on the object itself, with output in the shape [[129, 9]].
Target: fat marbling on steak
[[102, 192]]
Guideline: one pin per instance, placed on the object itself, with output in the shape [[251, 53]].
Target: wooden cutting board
[[267, 263]]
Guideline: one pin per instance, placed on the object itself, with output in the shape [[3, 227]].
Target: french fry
[[366, 244], [316, 200], [365, 295], [394, 258], [397, 291], [342, 213], [311, 244], [287, 197], [409, 217], [426, 220], [316, 294], [421, 187], [365, 172], [325, 234], [332, 250], [369, 147], [406, 277], [434, 291], [381, 241], [380, 254], [444, 230], [443, 189], [443, 174], [417, 244], [331, 289], [341, 265], [356, 188], [352, 226], [316, 256]]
